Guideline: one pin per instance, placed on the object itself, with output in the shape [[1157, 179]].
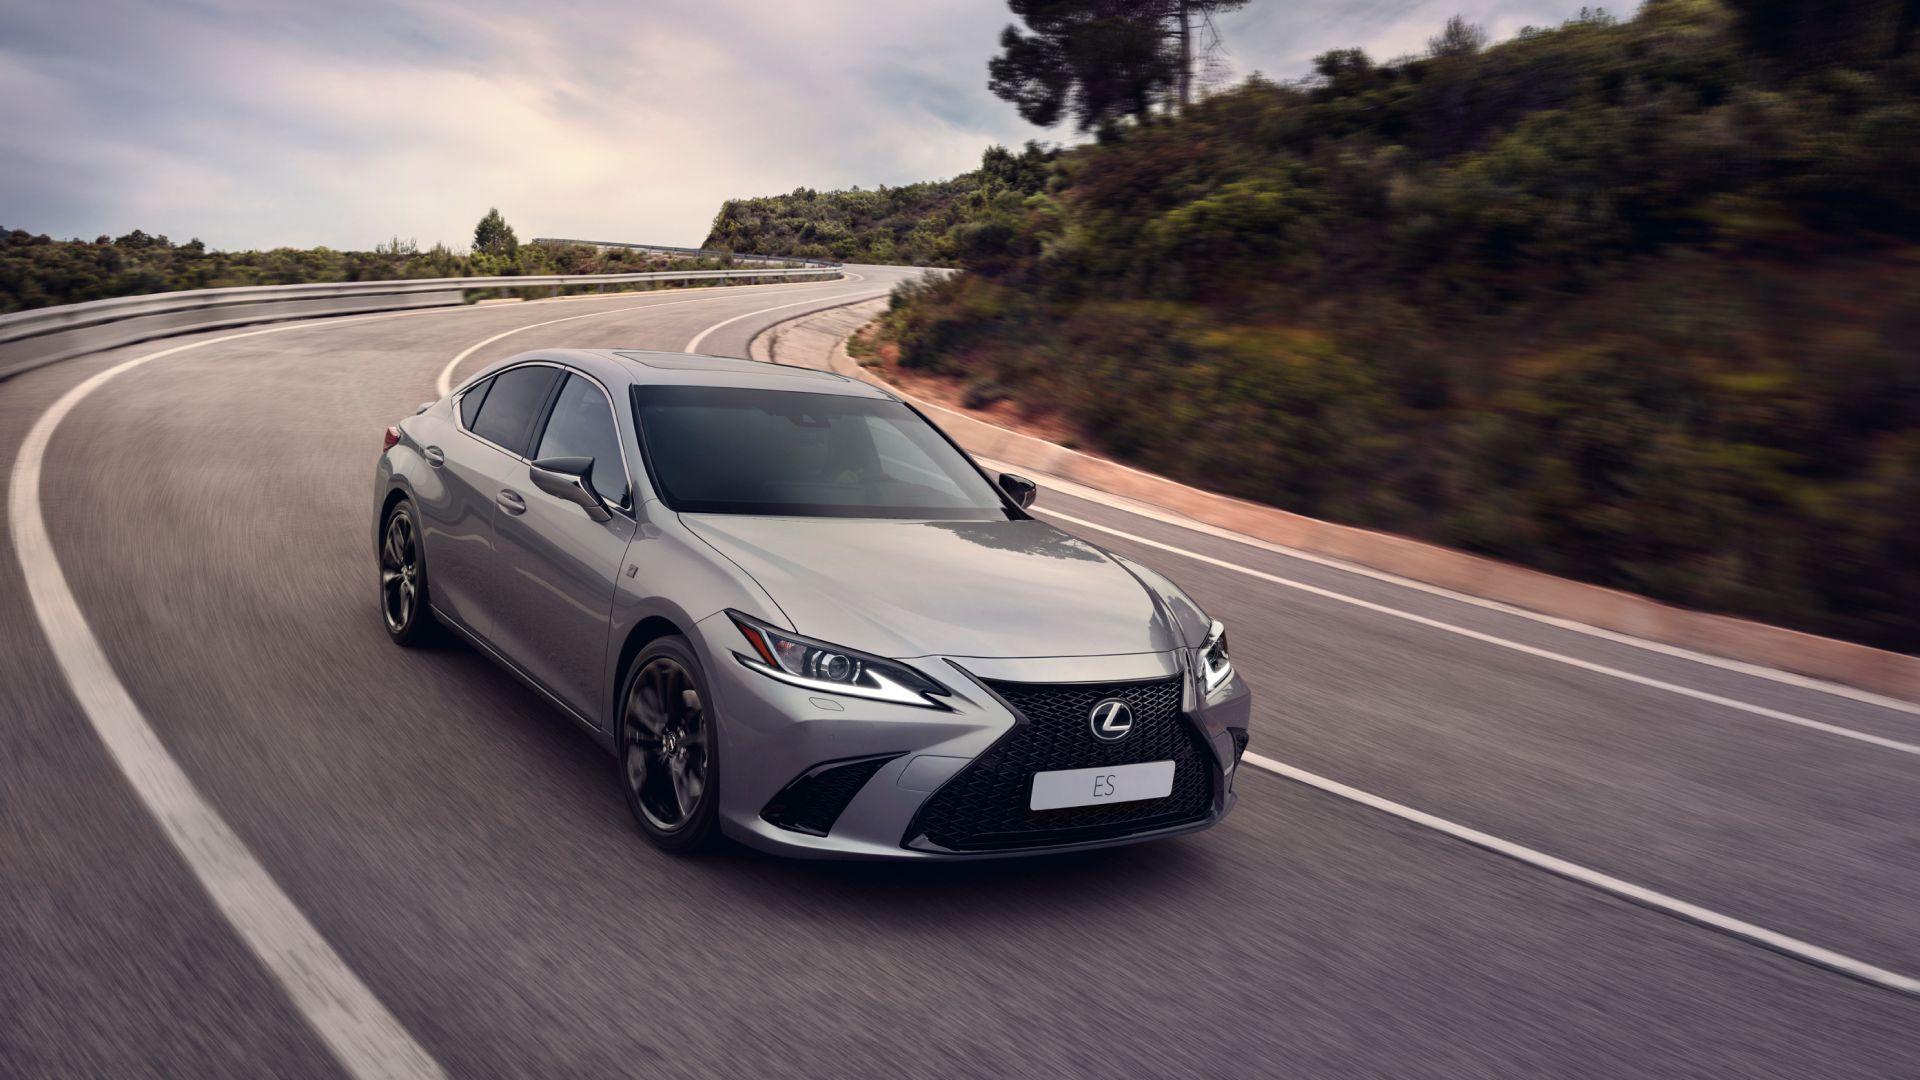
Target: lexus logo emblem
[[1111, 720]]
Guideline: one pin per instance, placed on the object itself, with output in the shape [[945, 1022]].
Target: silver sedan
[[801, 616]]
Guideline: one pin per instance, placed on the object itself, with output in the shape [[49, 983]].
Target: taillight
[[388, 440]]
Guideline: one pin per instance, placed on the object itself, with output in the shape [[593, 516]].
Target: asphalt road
[[467, 853]]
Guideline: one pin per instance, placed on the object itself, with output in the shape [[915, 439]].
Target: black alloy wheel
[[403, 579], [668, 758]]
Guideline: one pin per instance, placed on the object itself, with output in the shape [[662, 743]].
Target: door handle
[[511, 502], [435, 456]]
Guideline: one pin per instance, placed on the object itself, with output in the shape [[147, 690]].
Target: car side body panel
[[456, 502]]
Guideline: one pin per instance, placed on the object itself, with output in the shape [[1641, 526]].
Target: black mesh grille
[[984, 807], [813, 801]]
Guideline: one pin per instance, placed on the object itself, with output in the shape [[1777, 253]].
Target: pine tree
[[493, 236]]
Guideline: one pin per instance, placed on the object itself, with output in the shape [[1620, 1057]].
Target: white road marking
[[1167, 517], [693, 345], [444, 384], [1713, 920], [1490, 639], [362, 1034]]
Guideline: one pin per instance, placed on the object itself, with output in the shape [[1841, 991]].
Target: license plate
[[1092, 787]]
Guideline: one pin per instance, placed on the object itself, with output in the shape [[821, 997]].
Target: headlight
[[1215, 663], [817, 665]]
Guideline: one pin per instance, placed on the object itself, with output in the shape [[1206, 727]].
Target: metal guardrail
[[31, 339], [699, 253]]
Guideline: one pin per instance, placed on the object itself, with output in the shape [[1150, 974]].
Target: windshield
[[729, 450]]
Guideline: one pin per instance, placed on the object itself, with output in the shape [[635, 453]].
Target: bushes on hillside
[[1629, 301], [926, 224]]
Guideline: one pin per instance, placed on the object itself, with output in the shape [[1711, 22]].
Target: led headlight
[[1215, 663], [817, 665]]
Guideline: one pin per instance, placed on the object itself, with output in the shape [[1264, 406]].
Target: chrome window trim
[[632, 504]]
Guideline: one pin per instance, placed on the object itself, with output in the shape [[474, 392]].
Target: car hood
[[952, 588]]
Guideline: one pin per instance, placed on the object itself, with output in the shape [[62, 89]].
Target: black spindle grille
[[984, 807]]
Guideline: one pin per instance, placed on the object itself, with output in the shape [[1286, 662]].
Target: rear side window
[[506, 416], [470, 402], [582, 426]]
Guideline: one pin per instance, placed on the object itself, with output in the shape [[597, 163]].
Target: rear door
[[556, 566], [482, 464]]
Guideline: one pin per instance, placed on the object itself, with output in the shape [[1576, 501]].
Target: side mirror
[[570, 478], [1020, 489]]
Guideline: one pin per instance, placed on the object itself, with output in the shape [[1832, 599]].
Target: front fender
[[672, 575]]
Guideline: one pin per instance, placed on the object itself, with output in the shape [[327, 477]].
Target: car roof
[[649, 367]]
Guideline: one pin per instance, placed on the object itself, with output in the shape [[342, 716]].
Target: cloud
[[267, 122]]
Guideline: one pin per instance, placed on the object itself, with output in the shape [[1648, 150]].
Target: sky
[[262, 123]]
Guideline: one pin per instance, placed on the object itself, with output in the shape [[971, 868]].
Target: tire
[[667, 745], [404, 609]]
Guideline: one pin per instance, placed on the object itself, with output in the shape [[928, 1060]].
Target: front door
[[555, 567]]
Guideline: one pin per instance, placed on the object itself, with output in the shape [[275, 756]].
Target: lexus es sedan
[[799, 615]]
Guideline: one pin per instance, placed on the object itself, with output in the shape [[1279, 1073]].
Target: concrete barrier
[[818, 340]]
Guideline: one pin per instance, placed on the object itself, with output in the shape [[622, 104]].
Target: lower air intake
[[815, 798]]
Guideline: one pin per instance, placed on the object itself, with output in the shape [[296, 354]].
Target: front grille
[[812, 802], [984, 807]]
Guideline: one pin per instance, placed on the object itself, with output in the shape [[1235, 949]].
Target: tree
[[1341, 72], [493, 236], [1458, 38], [1100, 61]]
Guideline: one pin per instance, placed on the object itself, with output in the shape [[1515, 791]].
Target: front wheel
[[669, 761]]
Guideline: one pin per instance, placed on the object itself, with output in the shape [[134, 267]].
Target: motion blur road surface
[[466, 852]]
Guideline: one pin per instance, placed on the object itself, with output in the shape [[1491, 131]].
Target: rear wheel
[[669, 766], [403, 579]]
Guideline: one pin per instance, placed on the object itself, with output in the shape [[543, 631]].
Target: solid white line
[[693, 345], [444, 384], [367, 1040], [1530, 650], [1793, 947], [1787, 678]]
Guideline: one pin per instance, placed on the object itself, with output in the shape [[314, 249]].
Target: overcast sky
[[345, 122]]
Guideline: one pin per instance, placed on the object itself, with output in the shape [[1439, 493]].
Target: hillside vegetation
[[916, 225], [37, 271], [1634, 302]]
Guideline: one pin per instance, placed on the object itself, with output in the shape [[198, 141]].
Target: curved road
[[465, 852]]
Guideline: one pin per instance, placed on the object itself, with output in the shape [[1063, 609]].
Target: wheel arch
[[644, 633], [394, 497]]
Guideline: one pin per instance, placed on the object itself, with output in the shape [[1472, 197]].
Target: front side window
[[730, 450], [582, 426], [506, 416]]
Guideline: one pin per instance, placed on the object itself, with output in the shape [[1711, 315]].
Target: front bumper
[[773, 733]]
